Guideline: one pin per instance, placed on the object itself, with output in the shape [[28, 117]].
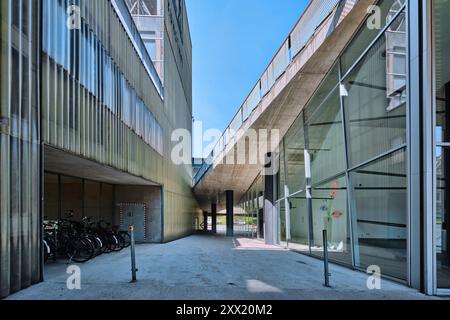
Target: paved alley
[[203, 267]]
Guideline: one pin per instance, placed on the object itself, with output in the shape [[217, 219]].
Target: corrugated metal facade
[[92, 103], [20, 262], [90, 94]]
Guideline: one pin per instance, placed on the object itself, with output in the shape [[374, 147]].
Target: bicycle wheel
[[80, 250], [116, 246], [126, 238], [111, 243], [97, 245], [46, 249], [105, 244]]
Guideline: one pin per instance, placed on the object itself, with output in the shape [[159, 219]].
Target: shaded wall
[[151, 197], [85, 198]]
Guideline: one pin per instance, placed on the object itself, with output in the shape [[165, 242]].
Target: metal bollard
[[325, 259], [133, 255]]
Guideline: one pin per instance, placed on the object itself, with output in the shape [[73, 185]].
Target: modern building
[[351, 110], [358, 94], [86, 122]]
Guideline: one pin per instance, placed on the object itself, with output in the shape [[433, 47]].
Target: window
[[329, 205], [295, 156], [365, 36], [375, 117], [325, 138], [379, 193], [299, 221]]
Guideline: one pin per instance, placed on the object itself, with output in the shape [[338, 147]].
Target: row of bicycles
[[81, 241]]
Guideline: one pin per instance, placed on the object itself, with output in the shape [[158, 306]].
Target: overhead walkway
[[278, 98]]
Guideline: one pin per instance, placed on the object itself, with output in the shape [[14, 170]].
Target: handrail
[[311, 20]]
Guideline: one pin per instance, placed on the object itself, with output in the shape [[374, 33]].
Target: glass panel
[[295, 156], [442, 42], [299, 222], [387, 9], [375, 99], [328, 84], [443, 217], [329, 202], [379, 193], [325, 138]]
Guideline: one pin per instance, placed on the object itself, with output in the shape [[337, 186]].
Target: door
[[134, 214]]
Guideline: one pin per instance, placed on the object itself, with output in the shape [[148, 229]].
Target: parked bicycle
[[80, 241]]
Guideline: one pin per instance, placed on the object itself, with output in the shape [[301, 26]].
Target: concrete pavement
[[204, 267]]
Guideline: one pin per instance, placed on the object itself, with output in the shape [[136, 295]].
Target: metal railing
[[309, 24]]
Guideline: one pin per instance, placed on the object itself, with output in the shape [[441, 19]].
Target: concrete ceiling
[[58, 161], [280, 107]]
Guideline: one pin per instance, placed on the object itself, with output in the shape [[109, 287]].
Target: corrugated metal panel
[[317, 12], [20, 258]]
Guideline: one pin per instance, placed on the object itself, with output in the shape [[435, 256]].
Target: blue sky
[[233, 43]]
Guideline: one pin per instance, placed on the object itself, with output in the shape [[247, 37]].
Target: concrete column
[[270, 209], [214, 217], [230, 213], [205, 221]]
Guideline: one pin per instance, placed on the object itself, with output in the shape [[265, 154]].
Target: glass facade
[[379, 194], [252, 207], [375, 108], [348, 146]]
